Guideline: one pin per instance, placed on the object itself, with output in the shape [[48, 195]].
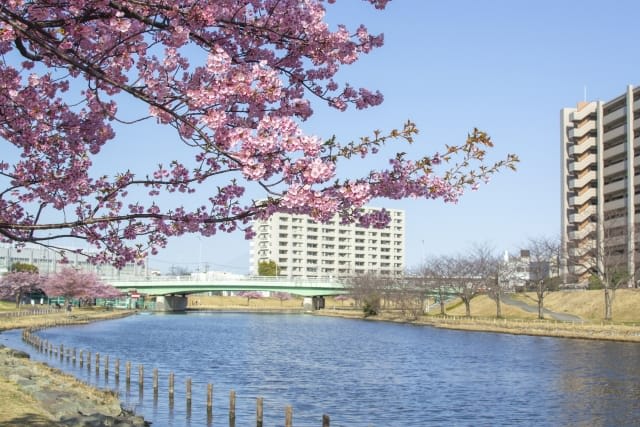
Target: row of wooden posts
[[33, 312], [82, 357]]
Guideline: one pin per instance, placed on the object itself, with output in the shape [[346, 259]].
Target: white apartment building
[[600, 191], [304, 248], [49, 261]]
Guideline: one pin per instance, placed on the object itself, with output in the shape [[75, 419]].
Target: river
[[360, 373]]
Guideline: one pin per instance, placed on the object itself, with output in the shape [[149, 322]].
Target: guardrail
[[244, 279]]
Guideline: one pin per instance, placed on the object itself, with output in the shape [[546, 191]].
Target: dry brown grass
[[483, 306], [586, 304], [77, 315], [18, 407], [17, 404], [589, 305], [241, 303], [7, 306]]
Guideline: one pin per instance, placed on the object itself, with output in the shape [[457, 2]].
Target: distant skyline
[[505, 67]]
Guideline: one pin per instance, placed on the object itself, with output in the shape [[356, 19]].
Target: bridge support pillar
[[318, 302], [171, 303]]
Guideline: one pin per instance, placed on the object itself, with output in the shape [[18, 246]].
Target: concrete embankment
[[34, 394]]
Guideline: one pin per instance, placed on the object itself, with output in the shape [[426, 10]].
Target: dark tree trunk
[[467, 306], [540, 294], [608, 303]]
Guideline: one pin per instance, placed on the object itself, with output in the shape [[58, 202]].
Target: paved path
[[507, 299]]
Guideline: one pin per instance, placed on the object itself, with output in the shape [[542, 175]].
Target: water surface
[[361, 373]]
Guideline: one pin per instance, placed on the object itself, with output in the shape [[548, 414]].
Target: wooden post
[[81, 358], [106, 365], [188, 397], [97, 362], [259, 413], [288, 416], [326, 421], [116, 368], [73, 359], [232, 408], [88, 360], [140, 376], [209, 399], [61, 351], [155, 383], [171, 384], [127, 369]]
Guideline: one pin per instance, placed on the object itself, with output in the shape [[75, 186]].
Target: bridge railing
[[279, 279], [237, 281]]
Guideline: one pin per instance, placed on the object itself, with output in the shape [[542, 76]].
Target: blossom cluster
[[232, 79]]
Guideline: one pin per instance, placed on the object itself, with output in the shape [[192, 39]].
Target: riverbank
[[546, 328], [35, 394], [583, 305]]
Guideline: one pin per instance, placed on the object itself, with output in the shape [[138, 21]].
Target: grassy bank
[[197, 302], [26, 403], [588, 305]]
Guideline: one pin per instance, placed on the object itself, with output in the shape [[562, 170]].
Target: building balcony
[[615, 168], [615, 186], [615, 133], [614, 204], [577, 149], [583, 198], [585, 163], [581, 234], [614, 115], [580, 217], [615, 151], [581, 252], [581, 131], [583, 181], [579, 115]]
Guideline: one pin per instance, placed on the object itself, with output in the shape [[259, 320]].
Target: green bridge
[[170, 292]]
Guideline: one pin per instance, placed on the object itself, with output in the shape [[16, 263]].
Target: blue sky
[[504, 66]]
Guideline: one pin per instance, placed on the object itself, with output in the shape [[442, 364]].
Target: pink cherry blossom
[[230, 79], [71, 283]]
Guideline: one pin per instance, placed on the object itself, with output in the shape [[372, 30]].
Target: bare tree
[[606, 260], [435, 277], [489, 271], [366, 290], [467, 282], [409, 297], [541, 257]]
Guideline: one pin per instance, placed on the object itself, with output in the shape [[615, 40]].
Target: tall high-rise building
[[302, 247], [600, 191]]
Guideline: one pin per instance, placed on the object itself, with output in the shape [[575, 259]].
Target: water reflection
[[599, 381]]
